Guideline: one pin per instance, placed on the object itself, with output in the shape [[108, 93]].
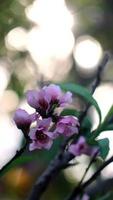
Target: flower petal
[[32, 146], [52, 135], [66, 99], [32, 98], [45, 123], [67, 125], [22, 119], [53, 91], [32, 133], [34, 116], [48, 144]]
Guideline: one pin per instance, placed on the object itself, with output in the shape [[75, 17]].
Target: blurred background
[[44, 41]]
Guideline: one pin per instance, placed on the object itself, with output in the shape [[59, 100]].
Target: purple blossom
[[81, 147], [67, 126], [23, 120], [40, 136], [56, 95], [66, 99], [54, 92], [38, 100], [47, 99]]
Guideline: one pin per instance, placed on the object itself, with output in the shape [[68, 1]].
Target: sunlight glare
[[10, 139], [51, 41], [4, 77], [8, 101], [87, 53], [75, 173], [16, 39], [50, 13]]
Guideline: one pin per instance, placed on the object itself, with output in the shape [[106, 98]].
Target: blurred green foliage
[[11, 15]]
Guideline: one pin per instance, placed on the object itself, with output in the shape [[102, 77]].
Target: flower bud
[[22, 120]]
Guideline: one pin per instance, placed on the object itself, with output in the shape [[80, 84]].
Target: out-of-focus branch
[[63, 157], [97, 81], [80, 188], [101, 187], [53, 169], [88, 167]]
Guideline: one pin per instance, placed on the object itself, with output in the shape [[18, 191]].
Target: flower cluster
[[47, 99], [48, 124]]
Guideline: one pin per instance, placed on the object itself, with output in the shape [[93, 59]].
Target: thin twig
[[53, 169], [97, 81], [100, 188], [80, 188], [88, 167]]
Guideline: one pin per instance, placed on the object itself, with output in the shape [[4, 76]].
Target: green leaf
[[104, 147], [109, 127], [82, 92], [109, 114], [107, 196], [105, 127], [70, 111], [101, 128], [106, 124]]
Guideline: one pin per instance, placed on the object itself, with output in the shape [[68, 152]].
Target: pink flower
[[56, 95], [54, 92], [47, 99], [66, 99], [40, 136], [23, 119], [67, 126], [38, 100], [81, 147]]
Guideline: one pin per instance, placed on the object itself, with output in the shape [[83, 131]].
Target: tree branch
[[88, 167], [100, 188], [97, 80], [53, 169], [80, 188]]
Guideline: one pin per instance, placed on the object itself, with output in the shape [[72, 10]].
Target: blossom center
[[81, 146], [43, 103], [40, 136]]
